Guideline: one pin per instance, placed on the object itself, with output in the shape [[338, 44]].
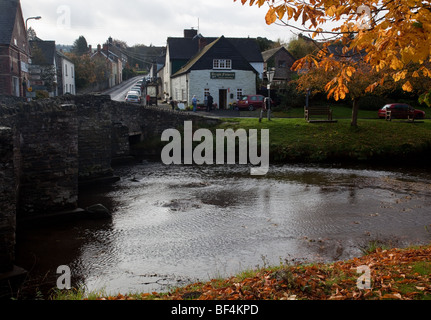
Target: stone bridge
[[50, 147]]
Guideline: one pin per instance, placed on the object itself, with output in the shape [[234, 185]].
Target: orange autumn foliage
[[394, 34]]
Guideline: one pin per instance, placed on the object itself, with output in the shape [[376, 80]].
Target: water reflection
[[174, 225]]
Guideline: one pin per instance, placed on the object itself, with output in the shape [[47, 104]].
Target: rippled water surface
[[176, 225]]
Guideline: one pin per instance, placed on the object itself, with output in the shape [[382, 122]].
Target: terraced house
[[14, 50]]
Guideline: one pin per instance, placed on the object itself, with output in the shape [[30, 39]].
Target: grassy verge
[[395, 274], [296, 140]]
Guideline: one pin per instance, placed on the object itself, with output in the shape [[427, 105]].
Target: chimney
[[105, 47], [99, 47], [90, 48], [190, 33]]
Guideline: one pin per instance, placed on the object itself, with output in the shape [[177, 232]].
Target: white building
[[181, 52], [218, 69], [66, 75]]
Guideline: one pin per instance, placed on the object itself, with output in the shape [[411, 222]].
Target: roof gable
[[222, 48], [187, 48], [8, 15], [267, 55]]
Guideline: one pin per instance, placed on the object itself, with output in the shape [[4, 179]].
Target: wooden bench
[[312, 111], [410, 117]]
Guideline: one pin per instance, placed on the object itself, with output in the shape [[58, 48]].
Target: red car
[[251, 102], [401, 111]]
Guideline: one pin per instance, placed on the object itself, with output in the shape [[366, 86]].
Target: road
[[118, 93]]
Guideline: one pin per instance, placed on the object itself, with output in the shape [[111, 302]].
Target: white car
[[135, 92], [138, 89], [133, 97]]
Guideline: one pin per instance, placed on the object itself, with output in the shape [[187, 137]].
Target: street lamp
[[270, 74], [34, 18]]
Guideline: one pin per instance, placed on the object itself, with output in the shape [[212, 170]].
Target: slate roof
[[187, 48], [271, 52], [8, 12], [48, 50], [225, 49], [110, 55]]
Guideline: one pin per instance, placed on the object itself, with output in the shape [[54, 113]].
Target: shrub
[[42, 94]]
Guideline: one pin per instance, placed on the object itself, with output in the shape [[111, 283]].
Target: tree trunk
[[355, 112]]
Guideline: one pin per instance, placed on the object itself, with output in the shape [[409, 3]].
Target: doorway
[[223, 99]]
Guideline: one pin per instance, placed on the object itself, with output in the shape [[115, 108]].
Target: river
[[175, 225]]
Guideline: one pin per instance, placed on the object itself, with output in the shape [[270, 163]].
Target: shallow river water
[[173, 225]]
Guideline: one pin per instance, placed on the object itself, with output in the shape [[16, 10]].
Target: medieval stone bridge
[[49, 147]]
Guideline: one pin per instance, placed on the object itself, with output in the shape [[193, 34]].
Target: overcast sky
[[146, 21]]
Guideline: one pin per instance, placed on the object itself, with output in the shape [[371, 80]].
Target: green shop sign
[[223, 75]]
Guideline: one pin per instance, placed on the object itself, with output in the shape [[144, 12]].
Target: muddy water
[[176, 225]]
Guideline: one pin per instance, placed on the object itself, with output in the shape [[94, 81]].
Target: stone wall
[[94, 135], [7, 200], [59, 143], [45, 141], [49, 157], [48, 148]]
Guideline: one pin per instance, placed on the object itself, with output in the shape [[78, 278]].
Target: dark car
[[401, 111], [251, 102]]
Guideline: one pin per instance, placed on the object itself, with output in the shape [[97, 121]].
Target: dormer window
[[222, 64]]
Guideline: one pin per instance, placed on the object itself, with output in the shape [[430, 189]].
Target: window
[[222, 64], [65, 68], [15, 87], [282, 64], [238, 94]]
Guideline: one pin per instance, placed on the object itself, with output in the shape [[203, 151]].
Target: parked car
[[139, 84], [401, 111], [251, 102], [135, 91], [137, 88], [133, 97]]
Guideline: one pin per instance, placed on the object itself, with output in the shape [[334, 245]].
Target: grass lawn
[[298, 140], [339, 112]]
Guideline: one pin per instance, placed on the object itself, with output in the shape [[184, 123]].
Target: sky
[[147, 22]]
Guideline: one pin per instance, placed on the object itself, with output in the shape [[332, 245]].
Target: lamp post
[[270, 74], [31, 18]]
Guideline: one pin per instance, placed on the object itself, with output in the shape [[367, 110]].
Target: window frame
[[222, 64]]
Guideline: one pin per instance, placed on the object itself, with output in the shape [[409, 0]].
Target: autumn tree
[[394, 35], [84, 70], [302, 47]]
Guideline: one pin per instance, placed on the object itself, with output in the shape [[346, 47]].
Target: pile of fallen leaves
[[402, 274]]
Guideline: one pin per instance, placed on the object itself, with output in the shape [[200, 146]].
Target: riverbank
[[297, 141], [394, 274]]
